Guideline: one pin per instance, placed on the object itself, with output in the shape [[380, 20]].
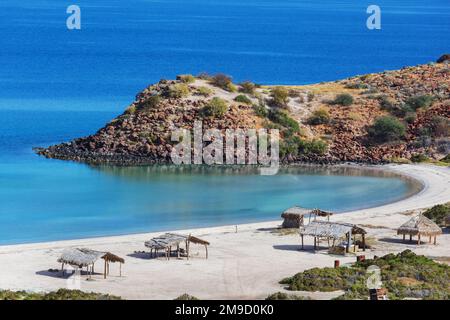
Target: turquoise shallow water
[[42, 199], [124, 46]]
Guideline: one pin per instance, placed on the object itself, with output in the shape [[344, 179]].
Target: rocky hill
[[397, 115]]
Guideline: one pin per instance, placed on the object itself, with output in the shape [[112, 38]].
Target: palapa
[[168, 241], [294, 217], [83, 257], [419, 226], [332, 230]]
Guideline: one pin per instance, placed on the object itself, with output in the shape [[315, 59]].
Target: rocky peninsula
[[392, 116]]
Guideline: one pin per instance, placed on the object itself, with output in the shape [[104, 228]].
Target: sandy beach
[[246, 264]]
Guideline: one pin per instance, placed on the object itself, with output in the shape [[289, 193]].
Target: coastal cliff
[[393, 116]]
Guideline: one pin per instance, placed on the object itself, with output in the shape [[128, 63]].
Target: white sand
[[246, 264]]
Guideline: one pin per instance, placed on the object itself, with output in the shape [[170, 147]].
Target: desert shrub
[[204, 91], [443, 145], [204, 76], [417, 102], [178, 90], [440, 126], [386, 103], [285, 296], [61, 294], [186, 78], [217, 108], [282, 118], [222, 81], [247, 87], [319, 116], [260, 110], [410, 117], [438, 213], [356, 85], [131, 109], [186, 296], [280, 97], [446, 159], [343, 99], [419, 157], [150, 103], [354, 116], [296, 146], [294, 93], [315, 146], [429, 279], [386, 129], [243, 99]]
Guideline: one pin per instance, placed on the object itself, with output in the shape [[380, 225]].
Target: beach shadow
[[401, 241], [67, 274], [140, 255]]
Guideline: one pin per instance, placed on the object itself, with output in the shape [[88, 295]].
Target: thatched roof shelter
[[168, 241], [83, 257], [294, 217], [80, 257], [419, 226], [332, 230]]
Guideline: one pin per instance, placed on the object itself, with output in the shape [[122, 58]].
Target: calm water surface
[[42, 199]]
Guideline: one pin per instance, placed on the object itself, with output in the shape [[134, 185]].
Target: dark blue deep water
[[57, 84]]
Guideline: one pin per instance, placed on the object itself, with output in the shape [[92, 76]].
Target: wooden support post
[[429, 240], [62, 269], [315, 243], [206, 248], [403, 237], [434, 240], [410, 237], [302, 242], [418, 239], [120, 269], [364, 241], [178, 251], [104, 271]]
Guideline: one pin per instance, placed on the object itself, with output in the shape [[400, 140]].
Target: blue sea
[[57, 84]]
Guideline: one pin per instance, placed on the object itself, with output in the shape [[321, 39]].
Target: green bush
[[186, 78], [296, 146], [282, 118], [285, 296], [280, 97], [446, 159], [440, 126], [61, 294], [260, 110], [204, 91], [320, 116], [419, 157], [410, 117], [438, 213], [243, 99], [343, 99], [217, 108], [386, 129], [149, 104], [222, 81], [417, 102], [178, 90], [429, 279], [247, 87], [386, 103], [357, 85]]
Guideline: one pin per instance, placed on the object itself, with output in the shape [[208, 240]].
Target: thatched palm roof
[[80, 257], [419, 225], [166, 240], [198, 241], [327, 229], [296, 211]]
